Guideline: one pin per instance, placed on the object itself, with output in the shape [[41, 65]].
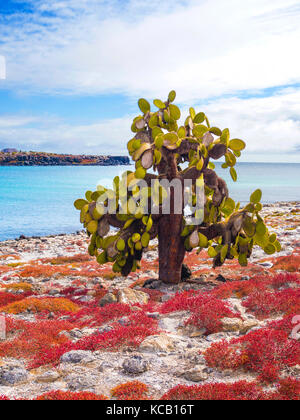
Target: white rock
[[132, 297], [156, 343], [232, 324]]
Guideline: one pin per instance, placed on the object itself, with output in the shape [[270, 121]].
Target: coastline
[[30, 159]]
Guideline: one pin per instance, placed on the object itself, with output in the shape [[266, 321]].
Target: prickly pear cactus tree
[[164, 150]]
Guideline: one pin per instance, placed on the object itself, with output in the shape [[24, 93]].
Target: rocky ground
[[74, 326]]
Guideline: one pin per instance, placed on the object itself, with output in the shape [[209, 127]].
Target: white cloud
[[51, 135], [201, 48], [13, 121], [2, 67], [270, 126]]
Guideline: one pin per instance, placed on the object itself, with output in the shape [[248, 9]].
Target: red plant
[[264, 304], [137, 328], [207, 311], [70, 396], [94, 316], [284, 279], [257, 284], [238, 289], [31, 337], [216, 392], [8, 298], [41, 305], [130, 391], [286, 324], [289, 389], [290, 263], [184, 301], [79, 258], [155, 295], [266, 351]]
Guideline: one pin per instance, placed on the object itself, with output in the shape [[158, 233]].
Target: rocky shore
[[49, 159], [73, 326]]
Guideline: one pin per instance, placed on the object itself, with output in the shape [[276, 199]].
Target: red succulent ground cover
[[268, 352], [9, 298], [130, 391], [70, 396], [288, 389], [207, 311], [138, 327], [28, 338], [265, 303]]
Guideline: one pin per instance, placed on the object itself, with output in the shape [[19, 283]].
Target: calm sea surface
[[36, 201]]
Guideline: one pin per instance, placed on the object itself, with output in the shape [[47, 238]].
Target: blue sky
[[75, 69]]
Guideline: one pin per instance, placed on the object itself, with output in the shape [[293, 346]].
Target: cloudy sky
[[75, 69]]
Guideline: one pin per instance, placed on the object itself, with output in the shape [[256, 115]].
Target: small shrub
[[70, 396], [207, 311], [290, 263], [9, 298], [130, 391], [289, 389], [95, 316], [216, 392], [138, 327], [79, 258], [39, 305], [266, 351], [264, 304], [18, 286], [28, 338]]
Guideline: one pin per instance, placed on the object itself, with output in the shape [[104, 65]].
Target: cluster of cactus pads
[[173, 152]]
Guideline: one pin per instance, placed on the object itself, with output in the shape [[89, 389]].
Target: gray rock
[[196, 374], [10, 375], [266, 264], [48, 377], [152, 284], [105, 366], [135, 365], [153, 315], [108, 299], [165, 298], [79, 356], [81, 383], [104, 329]]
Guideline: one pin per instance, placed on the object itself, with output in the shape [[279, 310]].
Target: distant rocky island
[[13, 157]]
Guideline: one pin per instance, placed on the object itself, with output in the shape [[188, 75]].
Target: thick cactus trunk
[[171, 249]]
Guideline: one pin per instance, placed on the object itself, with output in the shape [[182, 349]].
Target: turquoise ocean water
[[36, 201]]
